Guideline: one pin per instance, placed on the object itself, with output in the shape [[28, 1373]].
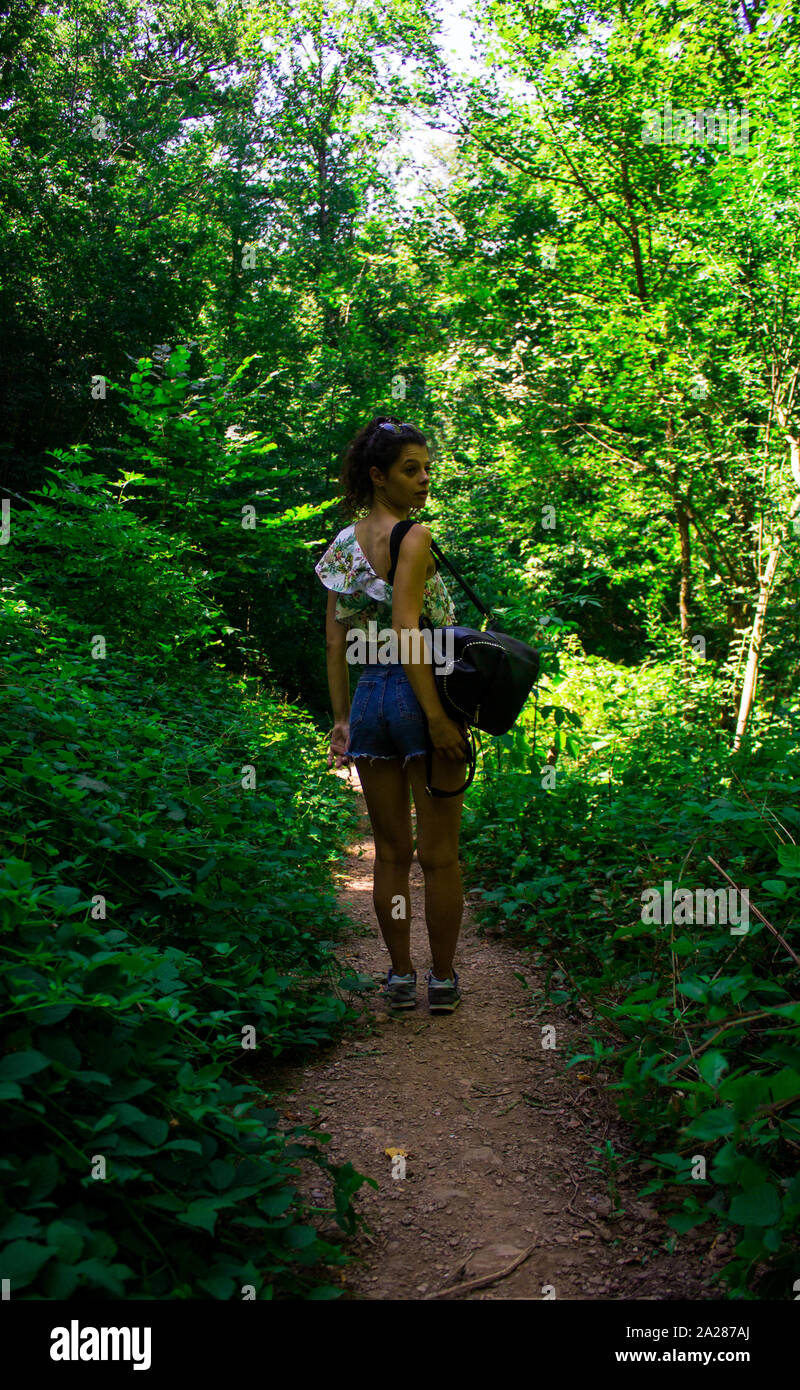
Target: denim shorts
[[386, 718]]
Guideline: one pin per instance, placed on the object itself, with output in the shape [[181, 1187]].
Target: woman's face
[[408, 480]]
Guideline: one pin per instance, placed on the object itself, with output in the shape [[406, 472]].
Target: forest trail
[[498, 1135]]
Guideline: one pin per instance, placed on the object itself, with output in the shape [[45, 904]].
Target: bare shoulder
[[415, 550], [418, 538]]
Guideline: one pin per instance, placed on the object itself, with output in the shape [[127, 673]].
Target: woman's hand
[[340, 738], [448, 738]]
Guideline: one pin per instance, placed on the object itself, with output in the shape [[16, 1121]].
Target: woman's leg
[[438, 825], [386, 792]]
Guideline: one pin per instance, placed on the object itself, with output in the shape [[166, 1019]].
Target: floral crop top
[[365, 596]]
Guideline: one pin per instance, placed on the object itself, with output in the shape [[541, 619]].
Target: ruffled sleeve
[[345, 569], [437, 604], [364, 595]]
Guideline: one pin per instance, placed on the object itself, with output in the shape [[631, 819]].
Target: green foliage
[[592, 330], [154, 909], [701, 1025]]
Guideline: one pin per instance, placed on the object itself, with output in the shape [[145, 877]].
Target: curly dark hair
[[377, 447]]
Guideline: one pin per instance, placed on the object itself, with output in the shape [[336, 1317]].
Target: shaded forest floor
[[499, 1136]]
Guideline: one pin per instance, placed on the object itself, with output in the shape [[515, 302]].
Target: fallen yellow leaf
[[392, 1153]]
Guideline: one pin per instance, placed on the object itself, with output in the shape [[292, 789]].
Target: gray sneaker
[[401, 992], [443, 997]]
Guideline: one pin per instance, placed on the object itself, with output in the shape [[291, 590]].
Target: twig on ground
[[484, 1280], [570, 1207], [461, 1268], [506, 1108]]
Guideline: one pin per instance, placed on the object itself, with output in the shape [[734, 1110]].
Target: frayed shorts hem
[[387, 757]]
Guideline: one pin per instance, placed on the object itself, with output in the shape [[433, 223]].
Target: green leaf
[[221, 1174], [22, 1260], [278, 1202], [65, 896], [683, 1221], [15, 1066], [727, 1164], [54, 1013], [674, 1161], [693, 989], [152, 1129], [713, 1124], [66, 1239], [299, 1237], [711, 1066], [106, 1276], [189, 1146], [218, 1285], [40, 1175], [752, 1174], [746, 1094], [758, 1206], [202, 1213], [127, 1114], [105, 1122], [785, 1084], [59, 1048], [59, 1280], [789, 859], [21, 1226], [777, 886]]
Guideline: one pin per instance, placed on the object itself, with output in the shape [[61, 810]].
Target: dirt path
[[498, 1136]]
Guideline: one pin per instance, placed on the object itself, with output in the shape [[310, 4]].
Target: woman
[[386, 470]]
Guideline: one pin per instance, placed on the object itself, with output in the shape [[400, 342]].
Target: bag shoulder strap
[[471, 595], [399, 531]]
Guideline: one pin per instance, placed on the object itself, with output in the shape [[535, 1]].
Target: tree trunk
[[685, 595], [765, 587]]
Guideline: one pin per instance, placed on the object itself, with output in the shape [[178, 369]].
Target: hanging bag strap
[[395, 539], [472, 762], [479, 604], [399, 531]]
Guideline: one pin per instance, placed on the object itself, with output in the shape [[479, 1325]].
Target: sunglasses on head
[[395, 429]]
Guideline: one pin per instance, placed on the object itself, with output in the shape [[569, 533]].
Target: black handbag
[[492, 676]]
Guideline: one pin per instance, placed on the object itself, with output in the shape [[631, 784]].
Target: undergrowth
[[166, 918], [700, 1020]]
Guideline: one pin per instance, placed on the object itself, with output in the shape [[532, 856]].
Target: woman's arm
[[338, 683], [407, 596]]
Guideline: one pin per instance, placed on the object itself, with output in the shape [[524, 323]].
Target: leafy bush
[[165, 906], [701, 1025]]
